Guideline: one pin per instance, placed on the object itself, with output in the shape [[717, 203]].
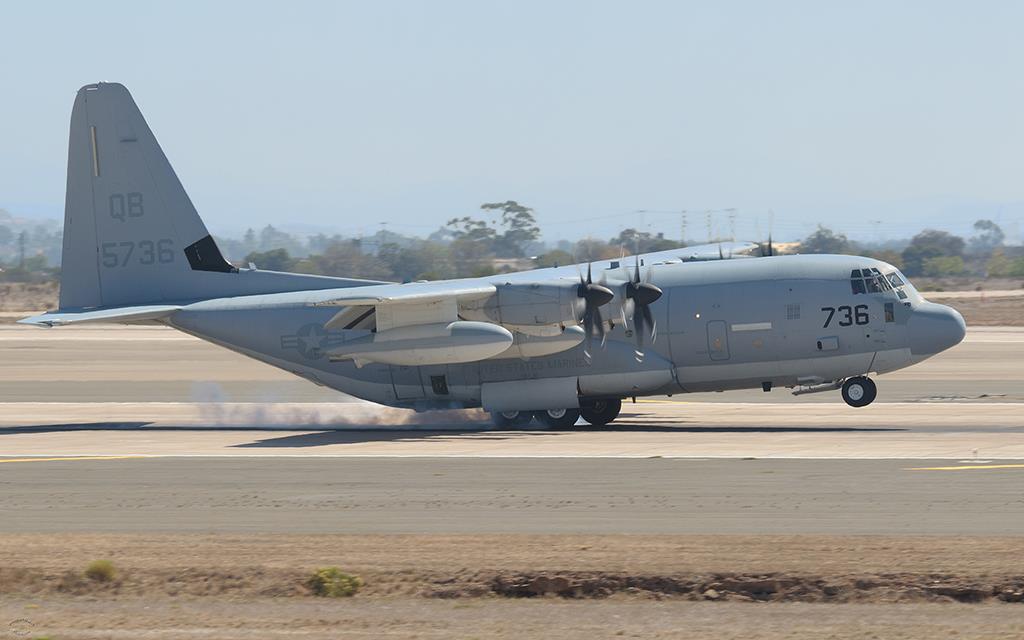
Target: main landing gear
[[512, 418], [859, 391], [602, 411], [558, 418], [597, 412]]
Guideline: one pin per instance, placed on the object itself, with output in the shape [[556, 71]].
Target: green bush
[[944, 266], [101, 571], [332, 582]]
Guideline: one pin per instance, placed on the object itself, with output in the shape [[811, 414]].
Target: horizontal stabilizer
[[115, 315]]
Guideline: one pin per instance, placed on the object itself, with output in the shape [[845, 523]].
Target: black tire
[[558, 418], [511, 418], [601, 411], [859, 392]]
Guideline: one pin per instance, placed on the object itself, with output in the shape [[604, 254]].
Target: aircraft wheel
[[601, 411], [859, 391], [511, 418], [558, 418]]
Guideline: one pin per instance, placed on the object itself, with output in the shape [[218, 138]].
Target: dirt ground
[[24, 296], [989, 311], [504, 586]]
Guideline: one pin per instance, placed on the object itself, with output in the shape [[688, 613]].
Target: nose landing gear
[[859, 391]]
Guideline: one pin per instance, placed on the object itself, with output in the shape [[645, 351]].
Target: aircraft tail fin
[[131, 234]]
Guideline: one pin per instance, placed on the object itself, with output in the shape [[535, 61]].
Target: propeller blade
[[588, 333], [649, 319], [638, 329], [641, 294]]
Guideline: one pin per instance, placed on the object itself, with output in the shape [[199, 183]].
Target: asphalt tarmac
[[514, 495]]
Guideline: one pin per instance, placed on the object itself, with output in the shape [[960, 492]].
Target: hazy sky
[[349, 114]]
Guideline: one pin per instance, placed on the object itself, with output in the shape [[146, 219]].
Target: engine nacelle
[[528, 346], [444, 343], [533, 308]]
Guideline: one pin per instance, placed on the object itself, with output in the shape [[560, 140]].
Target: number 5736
[[847, 315], [121, 254]]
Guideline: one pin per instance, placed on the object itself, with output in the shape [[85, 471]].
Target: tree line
[[934, 253], [505, 236]]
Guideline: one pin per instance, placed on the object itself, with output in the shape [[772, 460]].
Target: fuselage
[[785, 321]]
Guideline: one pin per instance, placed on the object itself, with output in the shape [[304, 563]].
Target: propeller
[[642, 294], [594, 296]]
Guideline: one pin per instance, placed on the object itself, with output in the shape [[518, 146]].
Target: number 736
[[847, 315]]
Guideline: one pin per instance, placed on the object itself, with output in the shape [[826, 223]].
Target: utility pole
[[682, 227]]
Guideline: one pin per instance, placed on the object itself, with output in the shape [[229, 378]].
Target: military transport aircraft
[[549, 344]]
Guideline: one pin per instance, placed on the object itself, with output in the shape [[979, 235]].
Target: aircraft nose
[[934, 328]]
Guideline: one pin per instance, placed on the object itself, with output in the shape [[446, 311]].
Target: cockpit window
[[871, 280]]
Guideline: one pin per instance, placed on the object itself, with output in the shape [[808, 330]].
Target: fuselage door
[[882, 313], [718, 340]]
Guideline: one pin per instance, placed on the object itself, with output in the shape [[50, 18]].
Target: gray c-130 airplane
[[549, 344]]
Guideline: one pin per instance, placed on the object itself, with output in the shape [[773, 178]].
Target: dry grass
[[521, 587], [101, 571]]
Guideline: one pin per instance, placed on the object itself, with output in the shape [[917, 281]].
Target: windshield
[[871, 280]]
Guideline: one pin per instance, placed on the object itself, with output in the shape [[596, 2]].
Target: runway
[[648, 429], [108, 436], [514, 495]]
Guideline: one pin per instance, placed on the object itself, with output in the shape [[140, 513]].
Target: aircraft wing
[[401, 305], [701, 252], [412, 293]]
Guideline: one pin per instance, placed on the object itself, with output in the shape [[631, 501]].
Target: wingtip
[[36, 321]]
